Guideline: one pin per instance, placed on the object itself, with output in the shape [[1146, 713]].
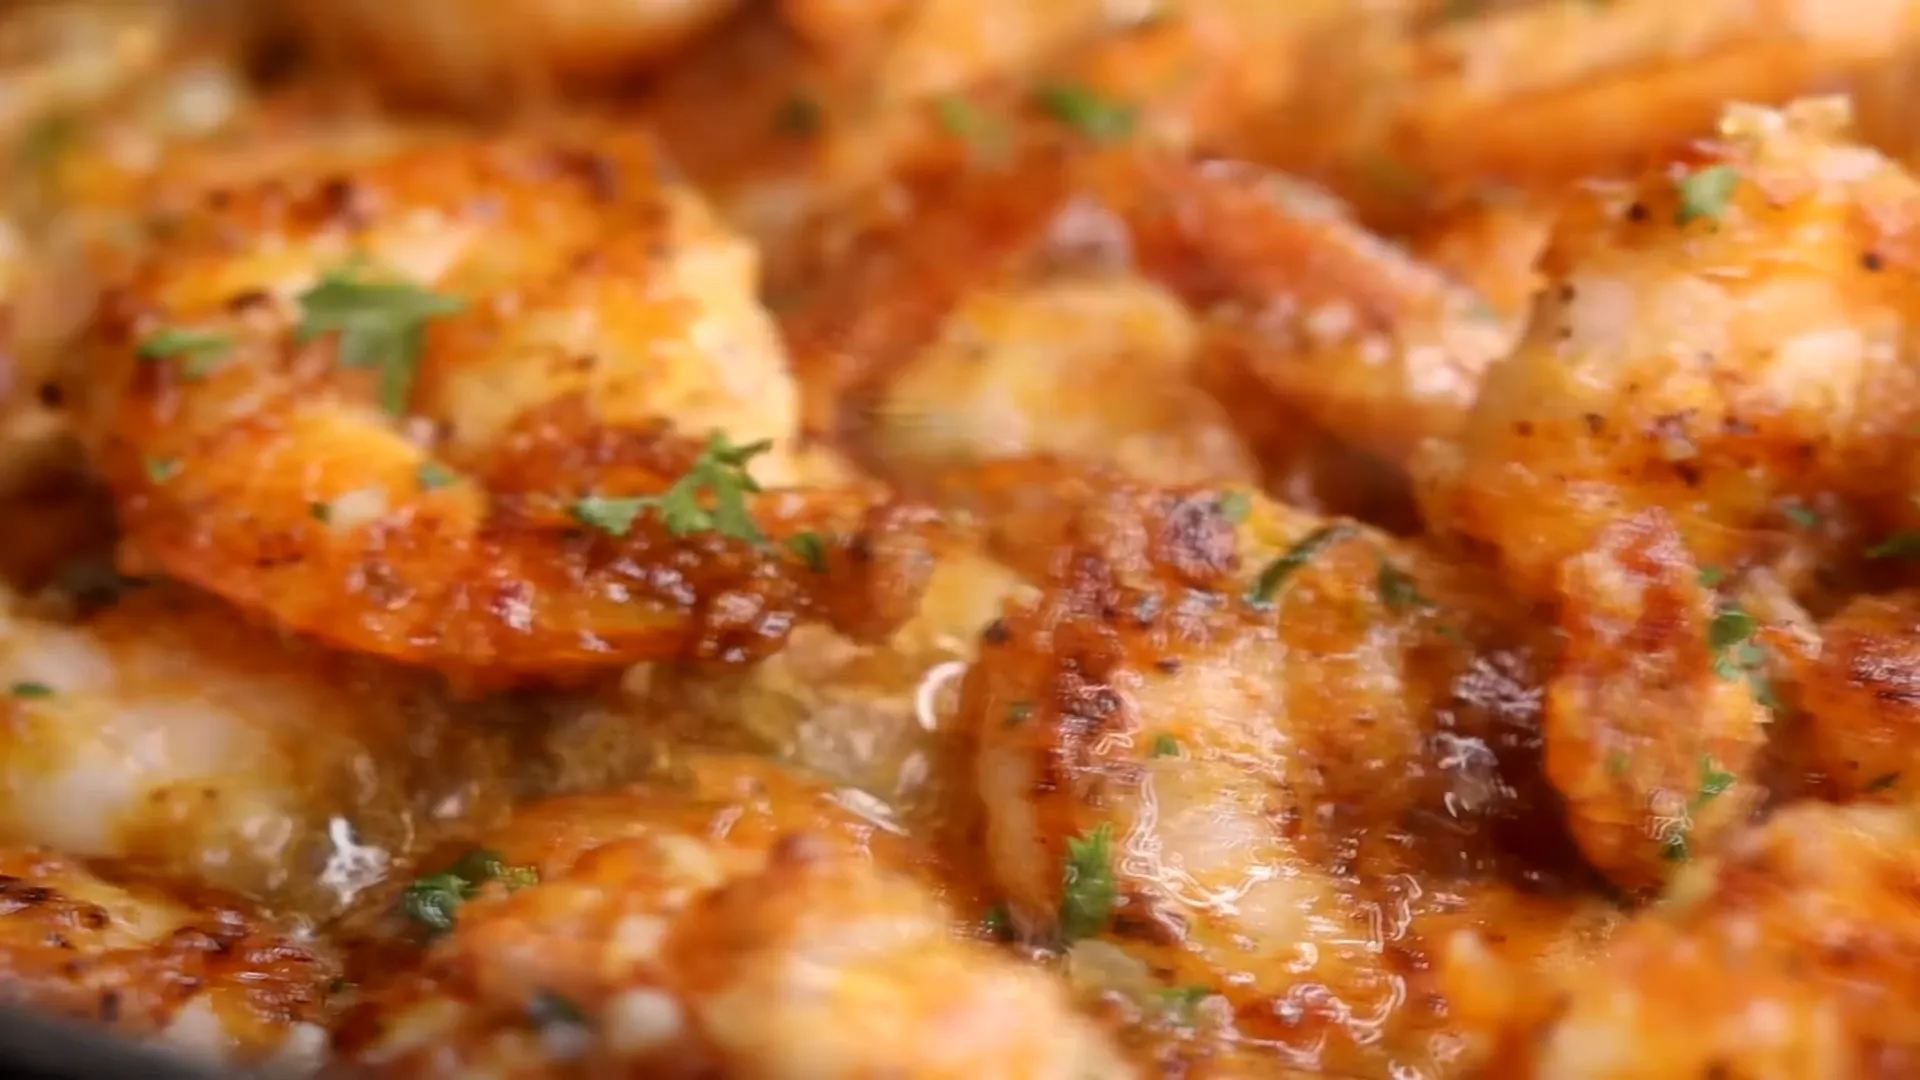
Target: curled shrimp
[[1358, 336], [428, 407]]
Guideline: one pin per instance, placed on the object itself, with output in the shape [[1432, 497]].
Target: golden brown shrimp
[[1195, 746], [1370, 343], [196, 975], [1859, 688], [1790, 955], [743, 925], [511, 52], [1722, 339], [1652, 727], [411, 407]]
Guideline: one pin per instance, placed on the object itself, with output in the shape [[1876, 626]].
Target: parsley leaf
[[1674, 847], [432, 899], [1398, 590], [1714, 782], [1297, 556], [30, 690], [1804, 516], [1019, 712], [1087, 112], [199, 351], [160, 470], [997, 922], [721, 472], [381, 327], [1087, 890], [1711, 576], [1704, 193], [1883, 782], [811, 549], [1904, 544], [433, 475], [1234, 506], [1165, 746], [1179, 1003], [1737, 655], [1617, 763]]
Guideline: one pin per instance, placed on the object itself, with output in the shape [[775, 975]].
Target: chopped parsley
[[1179, 1003], [1803, 516], [811, 550], [1904, 544], [1279, 570], [1711, 576], [1086, 112], [1234, 506], [320, 511], [432, 899], [1165, 746], [1883, 782], [199, 351], [30, 690], [1087, 891], [160, 470], [381, 326], [1713, 782], [721, 472], [799, 115], [1019, 712], [433, 475], [1704, 193], [1617, 763], [1737, 655], [1398, 590], [997, 922]]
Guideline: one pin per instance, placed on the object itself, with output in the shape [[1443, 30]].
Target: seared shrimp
[[1653, 728], [1790, 955], [164, 731], [1185, 741], [1722, 339], [203, 978], [505, 52], [740, 926], [424, 408], [1358, 336], [1859, 687]]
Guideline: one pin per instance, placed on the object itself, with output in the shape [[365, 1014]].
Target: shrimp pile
[[809, 540]]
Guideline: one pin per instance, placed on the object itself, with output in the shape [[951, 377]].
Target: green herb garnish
[[381, 325], [1883, 782], [30, 690], [721, 472], [1704, 193], [1398, 590], [199, 351], [433, 475], [1087, 112], [799, 115], [1087, 890], [432, 899], [1235, 505], [160, 470], [811, 550], [1904, 544], [1165, 746], [1297, 556]]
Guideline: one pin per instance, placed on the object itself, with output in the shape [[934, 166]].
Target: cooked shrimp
[[202, 978], [1721, 339], [1542, 94], [1790, 955], [1183, 741], [1358, 336], [1652, 727], [483, 514], [1860, 690], [744, 926], [166, 732], [1097, 367], [449, 52]]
